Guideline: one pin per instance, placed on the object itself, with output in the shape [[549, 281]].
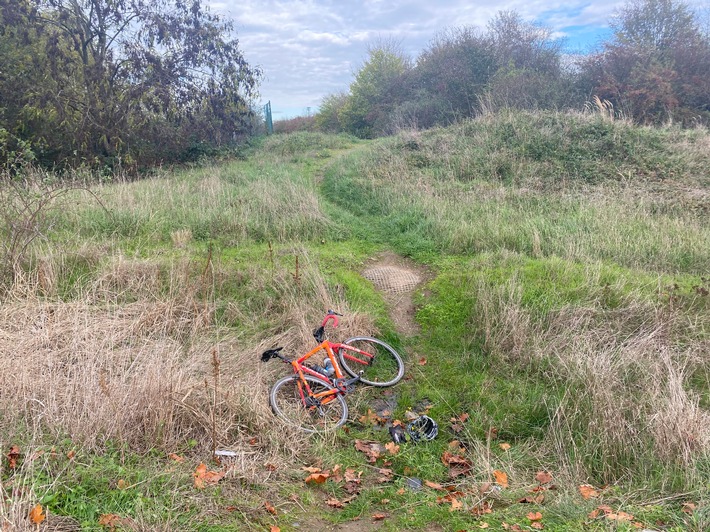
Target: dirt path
[[397, 278]]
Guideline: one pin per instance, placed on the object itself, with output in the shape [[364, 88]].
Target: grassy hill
[[564, 331]]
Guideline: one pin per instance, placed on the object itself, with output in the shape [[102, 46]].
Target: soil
[[397, 278]]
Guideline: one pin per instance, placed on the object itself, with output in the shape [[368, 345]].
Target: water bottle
[[319, 369], [328, 369]]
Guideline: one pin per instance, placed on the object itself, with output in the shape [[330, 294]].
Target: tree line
[[119, 83], [654, 69]]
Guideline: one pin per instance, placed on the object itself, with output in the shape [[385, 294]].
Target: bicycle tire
[[385, 369], [285, 401]]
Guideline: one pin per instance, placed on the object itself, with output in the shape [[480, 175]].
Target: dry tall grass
[[142, 361], [629, 403]]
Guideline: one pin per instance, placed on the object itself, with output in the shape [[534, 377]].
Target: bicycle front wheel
[[292, 405], [380, 364]]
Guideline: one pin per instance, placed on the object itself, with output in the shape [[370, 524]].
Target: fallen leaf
[[385, 475], [688, 507], [13, 456], [371, 418], [110, 520], [392, 448], [204, 477], [434, 485], [620, 516], [269, 508], [352, 476], [534, 516], [483, 525], [492, 433], [274, 528], [37, 514], [372, 449], [379, 516], [504, 446], [334, 503], [401, 491], [253, 441], [71, 454], [316, 478], [312, 469], [455, 505], [482, 509], [176, 457], [588, 491], [537, 525], [501, 478], [422, 361], [464, 417], [122, 484], [543, 477], [457, 427]]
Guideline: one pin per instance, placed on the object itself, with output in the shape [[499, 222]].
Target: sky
[[309, 49]]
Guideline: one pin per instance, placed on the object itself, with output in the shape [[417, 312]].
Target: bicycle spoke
[[321, 415], [379, 362]]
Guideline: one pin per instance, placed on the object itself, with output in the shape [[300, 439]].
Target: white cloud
[[310, 48]]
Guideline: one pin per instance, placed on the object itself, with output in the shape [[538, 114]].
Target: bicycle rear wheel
[[380, 364], [287, 403]]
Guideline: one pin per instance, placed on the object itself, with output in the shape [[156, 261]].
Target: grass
[[567, 317]]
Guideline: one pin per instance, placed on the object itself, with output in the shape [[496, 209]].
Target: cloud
[[311, 48]]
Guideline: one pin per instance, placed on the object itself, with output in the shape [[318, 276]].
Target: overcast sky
[[311, 48]]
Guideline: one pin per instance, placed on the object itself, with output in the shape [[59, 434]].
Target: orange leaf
[[534, 516], [501, 478], [455, 505], [204, 477], [13, 456], [71, 454], [543, 477], [504, 446], [434, 485], [392, 447], [352, 476], [464, 417], [588, 491], [312, 469], [274, 528], [422, 361], [37, 514], [110, 520], [176, 458], [269, 508], [483, 525], [379, 516], [334, 503], [122, 484], [386, 475], [537, 525], [317, 478]]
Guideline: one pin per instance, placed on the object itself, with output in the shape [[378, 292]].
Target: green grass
[[567, 315]]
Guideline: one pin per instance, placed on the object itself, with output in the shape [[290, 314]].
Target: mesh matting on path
[[392, 279]]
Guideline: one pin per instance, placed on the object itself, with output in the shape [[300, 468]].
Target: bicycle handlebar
[[331, 315]]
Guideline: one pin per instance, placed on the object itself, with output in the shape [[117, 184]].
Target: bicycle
[[314, 401]]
